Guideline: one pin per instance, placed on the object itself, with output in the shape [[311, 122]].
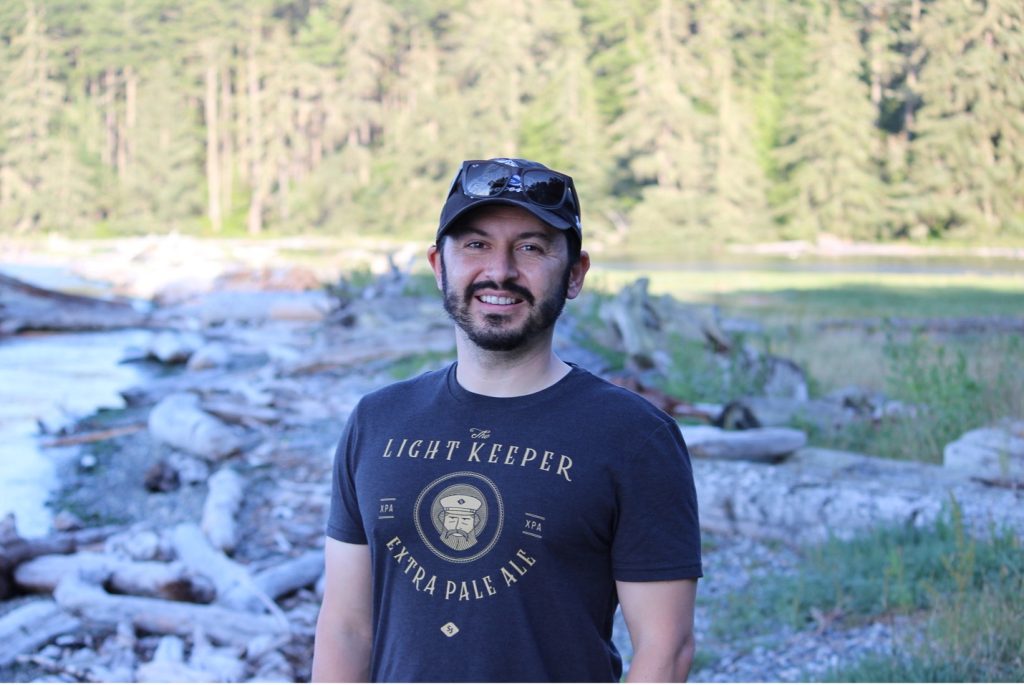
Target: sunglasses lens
[[544, 188], [486, 180]]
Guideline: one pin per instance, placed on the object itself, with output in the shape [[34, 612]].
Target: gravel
[[783, 654]]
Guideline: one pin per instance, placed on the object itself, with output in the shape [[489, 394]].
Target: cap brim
[[550, 218]]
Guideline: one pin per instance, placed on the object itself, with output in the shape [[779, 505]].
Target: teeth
[[494, 299]]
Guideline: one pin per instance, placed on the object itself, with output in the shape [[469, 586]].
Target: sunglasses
[[542, 187]]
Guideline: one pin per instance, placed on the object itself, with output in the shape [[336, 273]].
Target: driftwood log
[[236, 588], [15, 550], [145, 578], [31, 626], [178, 421], [88, 599], [756, 444], [287, 577], [206, 664], [637, 323], [370, 348], [26, 307], [221, 507], [817, 493]]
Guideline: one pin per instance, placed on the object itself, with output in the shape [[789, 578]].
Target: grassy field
[[871, 330]]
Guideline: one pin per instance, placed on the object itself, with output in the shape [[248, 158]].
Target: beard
[[495, 333], [458, 540]]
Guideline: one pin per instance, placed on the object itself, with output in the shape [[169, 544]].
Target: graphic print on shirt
[[459, 516]]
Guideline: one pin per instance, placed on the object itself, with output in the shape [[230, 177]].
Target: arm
[[659, 615], [344, 630]]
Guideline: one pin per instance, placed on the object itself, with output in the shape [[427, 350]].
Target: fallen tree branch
[[18, 550], [144, 578], [226, 626], [94, 436]]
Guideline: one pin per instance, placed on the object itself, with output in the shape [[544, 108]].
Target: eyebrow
[[525, 235]]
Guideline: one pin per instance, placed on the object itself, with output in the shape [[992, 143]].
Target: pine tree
[[28, 146], [967, 159], [739, 208], [830, 138], [663, 135]]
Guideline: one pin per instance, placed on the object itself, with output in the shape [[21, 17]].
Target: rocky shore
[[190, 527]]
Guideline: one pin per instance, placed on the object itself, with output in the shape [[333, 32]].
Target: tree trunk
[[228, 143], [110, 119], [131, 90], [213, 167], [257, 173]]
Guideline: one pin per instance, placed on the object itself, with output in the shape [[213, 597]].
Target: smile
[[495, 299]]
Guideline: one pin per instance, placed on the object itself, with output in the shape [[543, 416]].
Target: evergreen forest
[[682, 121]]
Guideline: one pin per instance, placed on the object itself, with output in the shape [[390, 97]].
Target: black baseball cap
[[547, 194]]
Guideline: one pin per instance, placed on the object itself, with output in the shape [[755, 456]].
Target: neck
[[508, 374]]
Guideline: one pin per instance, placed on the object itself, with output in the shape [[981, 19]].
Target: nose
[[501, 266]]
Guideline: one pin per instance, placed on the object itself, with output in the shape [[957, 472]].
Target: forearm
[[340, 656], [661, 663]]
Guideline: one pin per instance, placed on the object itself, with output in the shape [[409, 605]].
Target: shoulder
[[625, 406], [415, 391]]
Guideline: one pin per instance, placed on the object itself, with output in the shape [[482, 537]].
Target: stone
[[993, 453], [174, 347], [819, 492]]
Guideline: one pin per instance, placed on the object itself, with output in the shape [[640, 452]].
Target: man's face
[[458, 530], [505, 276], [458, 524]]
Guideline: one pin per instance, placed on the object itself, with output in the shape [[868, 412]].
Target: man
[[577, 495]]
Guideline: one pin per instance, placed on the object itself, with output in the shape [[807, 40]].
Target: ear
[[577, 273], [434, 257]]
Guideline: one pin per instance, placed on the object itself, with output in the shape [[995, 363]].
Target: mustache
[[507, 286], [455, 533]]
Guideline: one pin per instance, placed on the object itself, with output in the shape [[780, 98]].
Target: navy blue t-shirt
[[498, 526]]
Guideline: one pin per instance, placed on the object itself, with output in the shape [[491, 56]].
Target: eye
[[531, 248], [474, 244]]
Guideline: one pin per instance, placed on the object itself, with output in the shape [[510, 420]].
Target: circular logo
[[459, 516]]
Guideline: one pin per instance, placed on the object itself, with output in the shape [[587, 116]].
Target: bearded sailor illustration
[[459, 515]]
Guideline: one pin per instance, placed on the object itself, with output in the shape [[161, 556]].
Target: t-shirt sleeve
[[657, 532], [345, 521]]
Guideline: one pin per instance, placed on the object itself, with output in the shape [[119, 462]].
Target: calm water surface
[[52, 379]]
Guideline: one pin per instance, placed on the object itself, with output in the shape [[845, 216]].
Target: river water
[[52, 379]]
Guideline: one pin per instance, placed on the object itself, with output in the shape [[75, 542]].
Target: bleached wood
[[145, 578], [178, 421], [289, 576], [31, 626], [235, 586], [24, 306], [756, 444], [163, 617], [221, 508]]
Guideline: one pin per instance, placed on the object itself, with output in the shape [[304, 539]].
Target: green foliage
[[685, 124], [892, 569], [973, 633], [954, 392], [700, 375]]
